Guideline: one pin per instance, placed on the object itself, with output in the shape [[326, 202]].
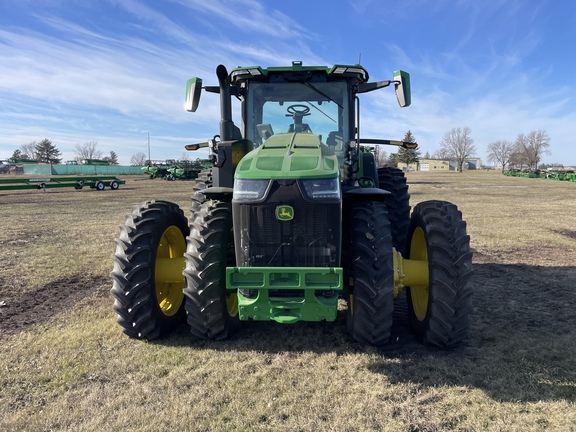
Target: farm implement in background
[[175, 169], [155, 171], [94, 182], [552, 174]]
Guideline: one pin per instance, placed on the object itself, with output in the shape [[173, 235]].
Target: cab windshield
[[319, 108]]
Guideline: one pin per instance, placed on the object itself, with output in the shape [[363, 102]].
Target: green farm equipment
[[186, 170], [156, 170], [94, 182], [171, 169], [550, 174], [292, 217]]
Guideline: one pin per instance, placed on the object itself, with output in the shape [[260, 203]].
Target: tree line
[[46, 152], [526, 150], [457, 145]]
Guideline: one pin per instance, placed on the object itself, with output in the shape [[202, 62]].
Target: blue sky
[[112, 71]]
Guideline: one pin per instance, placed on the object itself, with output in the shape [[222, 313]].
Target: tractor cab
[[315, 106]]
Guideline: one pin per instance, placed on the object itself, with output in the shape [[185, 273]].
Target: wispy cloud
[[251, 17]]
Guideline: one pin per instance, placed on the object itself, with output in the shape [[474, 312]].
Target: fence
[[114, 170]]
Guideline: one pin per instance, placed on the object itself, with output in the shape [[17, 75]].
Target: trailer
[[94, 182]]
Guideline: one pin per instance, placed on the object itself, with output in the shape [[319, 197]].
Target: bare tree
[[382, 158], [88, 150], [517, 158], [531, 147], [458, 145], [441, 154], [28, 151], [139, 159], [499, 152]]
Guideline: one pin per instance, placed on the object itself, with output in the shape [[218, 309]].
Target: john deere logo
[[284, 213]]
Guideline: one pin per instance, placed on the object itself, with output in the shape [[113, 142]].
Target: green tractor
[[293, 216]]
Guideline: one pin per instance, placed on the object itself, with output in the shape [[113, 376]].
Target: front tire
[[148, 299], [440, 312], [212, 312], [371, 302]]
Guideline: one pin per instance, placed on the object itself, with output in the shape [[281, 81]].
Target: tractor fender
[[364, 194], [218, 193]]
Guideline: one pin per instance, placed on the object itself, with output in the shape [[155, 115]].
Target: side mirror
[[402, 84], [193, 90]]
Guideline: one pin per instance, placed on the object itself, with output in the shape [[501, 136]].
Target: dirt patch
[[17, 313]]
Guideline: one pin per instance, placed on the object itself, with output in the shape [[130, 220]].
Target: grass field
[[65, 364]]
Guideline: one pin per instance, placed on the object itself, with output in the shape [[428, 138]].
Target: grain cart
[[293, 216]]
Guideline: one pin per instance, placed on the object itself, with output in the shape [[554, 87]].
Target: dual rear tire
[[439, 311], [165, 270]]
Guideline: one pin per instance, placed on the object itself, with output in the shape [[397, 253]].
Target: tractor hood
[[289, 156]]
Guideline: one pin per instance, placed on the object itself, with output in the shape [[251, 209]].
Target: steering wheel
[[298, 110]]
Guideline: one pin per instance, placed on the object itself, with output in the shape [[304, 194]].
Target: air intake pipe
[[226, 123]]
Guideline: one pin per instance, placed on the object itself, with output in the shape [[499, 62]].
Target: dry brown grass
[[65, 365]]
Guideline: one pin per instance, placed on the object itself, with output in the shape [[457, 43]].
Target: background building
[[440, 165]]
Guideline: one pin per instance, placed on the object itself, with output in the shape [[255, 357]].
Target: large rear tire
[[440, 312], [212, 312], [398, 204], [148, 300], [371, 302]]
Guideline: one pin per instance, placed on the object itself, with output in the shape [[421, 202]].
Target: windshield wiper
[[320, 92], [316, 108]]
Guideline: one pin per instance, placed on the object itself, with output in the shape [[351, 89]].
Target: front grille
[[310, 239]]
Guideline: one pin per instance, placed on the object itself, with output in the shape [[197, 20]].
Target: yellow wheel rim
[[419, 294], [232, 304], [170, 284]]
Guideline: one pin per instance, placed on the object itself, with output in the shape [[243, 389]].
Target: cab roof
[[245, 73]]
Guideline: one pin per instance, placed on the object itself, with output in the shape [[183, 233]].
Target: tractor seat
[[334, 141]]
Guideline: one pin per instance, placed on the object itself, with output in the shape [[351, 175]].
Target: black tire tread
[[371, 263], [205, 271], [133, 286], [450, 267], [203, 181]]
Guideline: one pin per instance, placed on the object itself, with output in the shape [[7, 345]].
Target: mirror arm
[[368, 87], [234, 91]]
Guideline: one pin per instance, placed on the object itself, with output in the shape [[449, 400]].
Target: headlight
[[250, 190], [322, 189]]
